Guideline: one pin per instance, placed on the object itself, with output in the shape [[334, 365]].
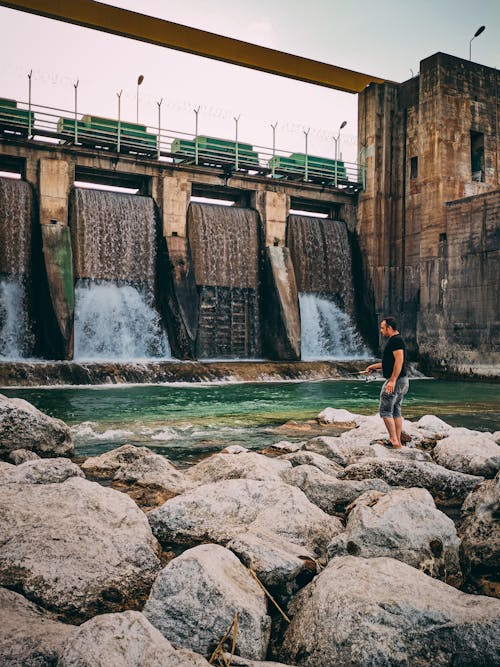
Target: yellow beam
[[133, 25]]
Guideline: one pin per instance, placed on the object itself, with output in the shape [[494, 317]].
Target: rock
[[247, 465], [443, 484], [479, 455], [196, 596], [147, 477], [343, 449], [29, 635], [341, 417], [234, 449], [75, 547], [479, 529], [124, 639], [327, 492], [403, 524], [433, 426], [39, 471], [236, 661], [284, 447], [496, 437], [244, 510], [22, 426], [379, 611], [319, 461], [18, 456], [403, 454]]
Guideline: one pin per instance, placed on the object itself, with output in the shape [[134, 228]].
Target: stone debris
[[196, 596]]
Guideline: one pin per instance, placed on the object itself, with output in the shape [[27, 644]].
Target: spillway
[[114, 256], [321, 256], [16, 216], [225, 246]]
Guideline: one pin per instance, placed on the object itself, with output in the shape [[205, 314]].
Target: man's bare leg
[[391, 429], [398, 422]]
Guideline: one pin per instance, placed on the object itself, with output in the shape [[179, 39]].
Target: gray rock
[[130, 464], [125, 639], [379, 611], [403, 524], [378, 451], [22, 426], [319, 461], [245, 465], [75, 547], [330, 494], [474, 455], [234, 509], [442, 483], [18, 456], [29, 635], [343, 450], [237, 661], [196, 596], [339, 416], [39, 471], [284, 446], [479, 530]]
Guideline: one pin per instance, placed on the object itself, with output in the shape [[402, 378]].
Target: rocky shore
[[330, 551]]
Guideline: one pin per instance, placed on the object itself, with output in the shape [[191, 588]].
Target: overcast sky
[[386, 38]]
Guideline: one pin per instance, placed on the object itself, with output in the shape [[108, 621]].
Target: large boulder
[[29, 635], [22, 426], [332, 495], [39, 471], [18, 456], [250, 514], [244, 465], [124, 639], [479, 529], [319, 461], [75, 547], [474, 455], [344, 449], [380, 611], [403, 524], [147, 477], [238, 661], [444, 485], [196, 596]]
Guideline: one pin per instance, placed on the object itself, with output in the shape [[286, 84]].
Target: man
[[396, 385]]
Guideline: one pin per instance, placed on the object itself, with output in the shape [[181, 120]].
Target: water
[[16, 205], [327, 331], [185, 422], [116, 322], [16, 339], [224, 242], [114, 254]]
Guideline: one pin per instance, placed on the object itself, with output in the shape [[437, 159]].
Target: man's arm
[[399, 357], [373, 367]]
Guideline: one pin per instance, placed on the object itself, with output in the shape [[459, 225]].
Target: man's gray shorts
[[390, 404]]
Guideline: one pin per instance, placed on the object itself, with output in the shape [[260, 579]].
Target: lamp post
[[478, 32], [336, 140], [140, 79]]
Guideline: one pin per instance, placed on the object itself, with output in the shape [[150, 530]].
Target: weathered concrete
[[273, 210], [282, 333], [432, 256]]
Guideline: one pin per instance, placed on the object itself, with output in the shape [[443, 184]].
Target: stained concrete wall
[[416, 142]]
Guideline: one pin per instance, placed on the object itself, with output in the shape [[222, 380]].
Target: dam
[[301, 265]]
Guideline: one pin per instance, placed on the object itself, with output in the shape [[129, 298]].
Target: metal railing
[[41, 123]]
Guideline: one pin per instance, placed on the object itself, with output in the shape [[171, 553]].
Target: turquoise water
[[184, 422]]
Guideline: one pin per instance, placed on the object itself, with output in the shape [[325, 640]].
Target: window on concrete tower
[[477, 156], [413, 167]]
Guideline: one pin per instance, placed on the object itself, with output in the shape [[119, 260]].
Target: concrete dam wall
[[115, 288]]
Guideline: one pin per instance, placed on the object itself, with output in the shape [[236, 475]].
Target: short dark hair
[[390, 321]]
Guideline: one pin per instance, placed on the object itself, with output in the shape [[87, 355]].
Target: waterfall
[[16, 205], [327, 331], [224, 242], [114, 251], [321, 256]]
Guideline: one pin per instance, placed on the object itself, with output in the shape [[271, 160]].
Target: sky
[[386, 38]]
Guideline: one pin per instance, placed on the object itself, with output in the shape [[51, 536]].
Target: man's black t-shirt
[[395, 342]]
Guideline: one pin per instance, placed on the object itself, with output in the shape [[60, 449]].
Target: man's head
[[388, 326]]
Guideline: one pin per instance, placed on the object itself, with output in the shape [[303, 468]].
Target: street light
[[336, 139], [139, 81], [478, 32]]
